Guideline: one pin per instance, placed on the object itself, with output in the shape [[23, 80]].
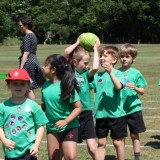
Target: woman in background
[[28, 59]]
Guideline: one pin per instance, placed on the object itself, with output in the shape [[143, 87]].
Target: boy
[[134, 83], [108, 109]]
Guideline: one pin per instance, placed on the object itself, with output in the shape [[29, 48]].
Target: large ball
[[87, 41]]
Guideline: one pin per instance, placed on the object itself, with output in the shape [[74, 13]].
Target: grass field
[[148, 62]]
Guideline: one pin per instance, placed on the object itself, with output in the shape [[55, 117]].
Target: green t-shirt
[[55, 109], [130, 98], [19, 123], [107, 99], [85, 95]]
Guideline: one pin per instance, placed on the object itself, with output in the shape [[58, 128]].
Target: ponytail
[[66, 73]]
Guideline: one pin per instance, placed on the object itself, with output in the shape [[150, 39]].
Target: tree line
[[62, 21]]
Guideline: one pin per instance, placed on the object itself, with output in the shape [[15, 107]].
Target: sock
[[137, 155]]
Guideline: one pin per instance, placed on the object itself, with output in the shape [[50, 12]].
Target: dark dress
[[32, 65]]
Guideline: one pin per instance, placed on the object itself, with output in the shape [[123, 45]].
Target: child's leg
[[69, 150], [102, 130], [118, 134], [87, 132], [92, 149], [69, 140], [119, 146], [102, 147], [136, 125], [136, 145], [54, 148]]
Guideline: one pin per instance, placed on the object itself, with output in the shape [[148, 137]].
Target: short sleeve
[[1, 116], [39, 116], [27, 43], [141, 82]]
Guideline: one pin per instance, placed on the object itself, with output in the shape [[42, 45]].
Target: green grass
[[148, 62]]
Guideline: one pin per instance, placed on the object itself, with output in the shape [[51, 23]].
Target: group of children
[[66, 101]]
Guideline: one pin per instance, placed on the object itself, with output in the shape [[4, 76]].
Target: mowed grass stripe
[[147, 62]]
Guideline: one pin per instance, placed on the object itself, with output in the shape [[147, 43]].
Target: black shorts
[[87, 128], [27, 156], [135, 122], [68, 135], [117, 127]]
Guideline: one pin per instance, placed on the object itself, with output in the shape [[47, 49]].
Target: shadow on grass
[[156, 137], [154, 144], [110, 157]]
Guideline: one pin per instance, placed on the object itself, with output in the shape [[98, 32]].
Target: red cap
[[18, 74]]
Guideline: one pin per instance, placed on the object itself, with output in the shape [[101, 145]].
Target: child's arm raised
[[95, 65], [108, 67], [69, 49], [115, 81]]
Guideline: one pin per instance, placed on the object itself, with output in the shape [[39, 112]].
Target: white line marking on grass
[[127, 145], [153, 131], [152, 117], [149, 108], [150, 101]]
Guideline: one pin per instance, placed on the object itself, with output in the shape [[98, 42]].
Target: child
[[21, 120], [108, 109], [84, 75], [134, 83], [62, 105]]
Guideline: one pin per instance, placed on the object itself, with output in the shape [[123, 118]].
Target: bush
[[9, 41]]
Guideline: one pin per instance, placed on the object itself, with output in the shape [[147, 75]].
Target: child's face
[[82, 65], [19, 88], [47, 71], [126, 60], [106, 58]]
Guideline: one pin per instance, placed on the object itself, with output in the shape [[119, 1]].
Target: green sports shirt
[[19, 123], [131, 101], [55, 109], [107, 99], [85, 95]]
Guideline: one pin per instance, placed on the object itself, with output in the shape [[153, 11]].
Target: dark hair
[[27, 21], [66, 73]]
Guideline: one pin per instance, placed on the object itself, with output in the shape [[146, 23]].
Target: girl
[[21, 127], [28, 59], [84, 76], [62, 108]]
